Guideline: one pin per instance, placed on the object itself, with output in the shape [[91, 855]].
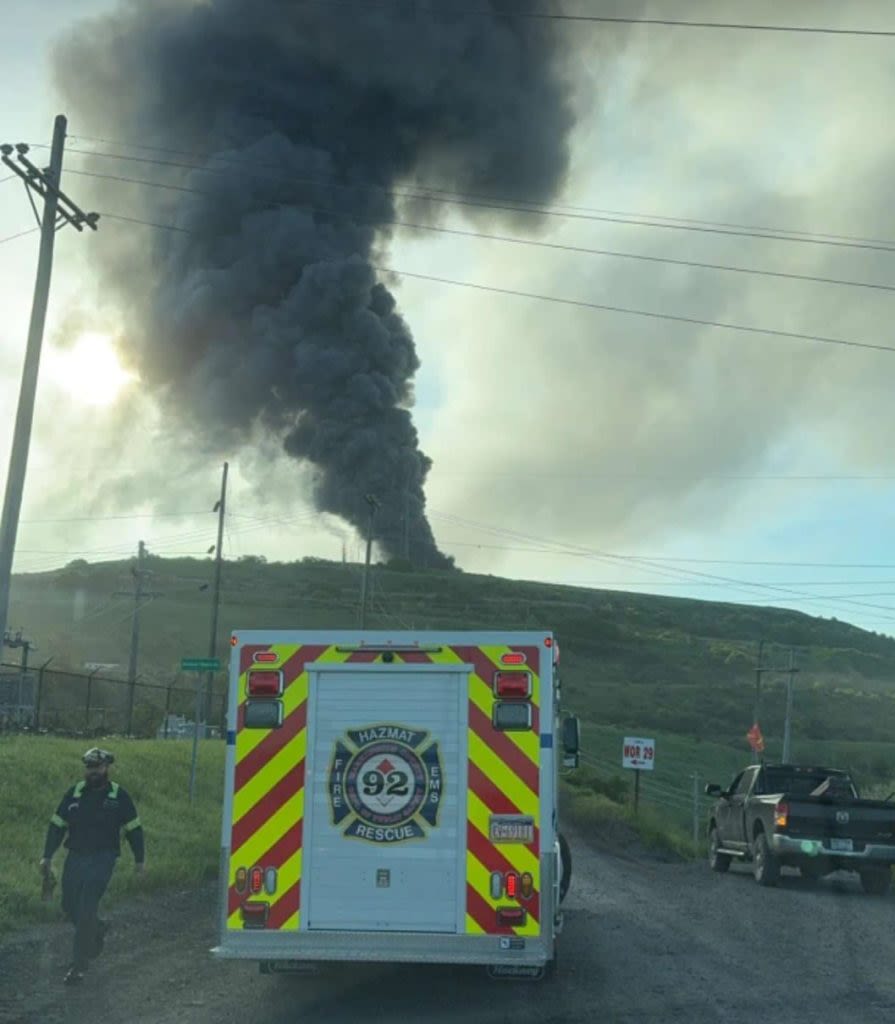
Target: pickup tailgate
[[862, 821]]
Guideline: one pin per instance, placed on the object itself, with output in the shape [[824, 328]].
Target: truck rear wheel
[[765, 865], [876, 881], [565, 856], [718, 861]]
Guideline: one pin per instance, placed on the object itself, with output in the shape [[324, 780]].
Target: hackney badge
[[385, 783]]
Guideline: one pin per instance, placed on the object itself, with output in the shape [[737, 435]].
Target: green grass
[[182, 840], [659, 665], [601, 815]]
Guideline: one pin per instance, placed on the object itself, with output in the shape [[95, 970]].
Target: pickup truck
[[811, 818]]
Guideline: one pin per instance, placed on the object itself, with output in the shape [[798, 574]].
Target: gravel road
[[645, 940]]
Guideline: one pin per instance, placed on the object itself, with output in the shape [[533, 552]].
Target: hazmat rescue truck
[[392, 797]]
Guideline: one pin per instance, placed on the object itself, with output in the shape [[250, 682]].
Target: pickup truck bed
[[806, 817]]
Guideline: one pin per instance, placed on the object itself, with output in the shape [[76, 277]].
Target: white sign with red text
[[639, 753]]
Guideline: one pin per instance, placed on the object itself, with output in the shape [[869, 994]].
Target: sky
[[570, 444]]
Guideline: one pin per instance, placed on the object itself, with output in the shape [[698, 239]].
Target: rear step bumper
[[383, 947], [803, 847]]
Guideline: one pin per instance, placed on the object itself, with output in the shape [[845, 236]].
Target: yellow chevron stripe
[[482, 693], [479, 878], [248, 739], [271, 832], [501, 775], [473, 927], [264, 780], [483, 698], [518, 855], [527, 742], [287, 876]]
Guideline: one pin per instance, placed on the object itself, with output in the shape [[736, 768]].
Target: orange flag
[[755, 738]]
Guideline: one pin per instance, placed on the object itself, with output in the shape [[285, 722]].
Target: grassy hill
[[677, 669]]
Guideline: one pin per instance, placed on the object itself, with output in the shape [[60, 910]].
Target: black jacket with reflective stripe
[[94, 819]]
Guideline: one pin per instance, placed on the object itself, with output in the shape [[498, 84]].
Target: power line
[[428, 188], [607, 20], [514, 240], [459, 199], [20, 234], [674, 558], [661, 570], [581, 304], [628, 311], [103, 519]]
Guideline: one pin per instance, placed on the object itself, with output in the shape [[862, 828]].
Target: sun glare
[[90, 370]]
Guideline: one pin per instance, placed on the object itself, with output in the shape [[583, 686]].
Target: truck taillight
[[256, 880], [781, 814], [242, 879], [527, 884], [268, 683], [512, 885], [254, 914], [268, 657], [512, 685], [510, 917]]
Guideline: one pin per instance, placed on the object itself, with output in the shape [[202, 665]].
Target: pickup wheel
[[565, 855], [718, 861], [765, 865], [876, 881]]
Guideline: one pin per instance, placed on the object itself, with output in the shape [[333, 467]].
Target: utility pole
[[374, 504], [787, 725], [58, 210], [758, 671], [221, 509], [140, 575]]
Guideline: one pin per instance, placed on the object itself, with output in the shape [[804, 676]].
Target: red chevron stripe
[[271, 745], [532, 658], [286, 846], [483, 914], [416, 657], [493, 860], [247, 655], [287, 788], [364, 657], [285, 907], [498, 802], [507, 751]]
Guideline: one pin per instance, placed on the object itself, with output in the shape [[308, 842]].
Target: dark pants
[[84, 880]]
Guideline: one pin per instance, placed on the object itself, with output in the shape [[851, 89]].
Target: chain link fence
[[67, 703]]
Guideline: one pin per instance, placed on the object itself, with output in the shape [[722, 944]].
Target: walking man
[[94, 811]]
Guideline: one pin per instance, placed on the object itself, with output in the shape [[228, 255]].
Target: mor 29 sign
[[638, 753]]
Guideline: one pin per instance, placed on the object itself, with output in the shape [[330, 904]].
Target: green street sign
[[200, 665]]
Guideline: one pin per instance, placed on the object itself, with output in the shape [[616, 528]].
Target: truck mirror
[[712, 790], [571, 735]]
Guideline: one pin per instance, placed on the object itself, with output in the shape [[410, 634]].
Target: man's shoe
[[74, 976]]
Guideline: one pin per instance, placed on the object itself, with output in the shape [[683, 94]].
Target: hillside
[[632, 661]]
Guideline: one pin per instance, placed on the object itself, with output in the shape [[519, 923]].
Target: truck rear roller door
[[385, 847]]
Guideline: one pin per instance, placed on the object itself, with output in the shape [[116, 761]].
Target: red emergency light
[[512, 881], [513, 658], [265, 684], [256, 880], [512, 685], [265, 656]]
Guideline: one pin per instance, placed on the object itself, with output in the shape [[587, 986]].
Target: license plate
[[511, 828], [841, 845]]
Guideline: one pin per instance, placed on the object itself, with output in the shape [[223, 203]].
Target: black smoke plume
[[305, 116]]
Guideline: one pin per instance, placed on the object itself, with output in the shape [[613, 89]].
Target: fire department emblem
[[385, 783]]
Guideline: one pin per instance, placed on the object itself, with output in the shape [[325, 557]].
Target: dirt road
[[644, 941]]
